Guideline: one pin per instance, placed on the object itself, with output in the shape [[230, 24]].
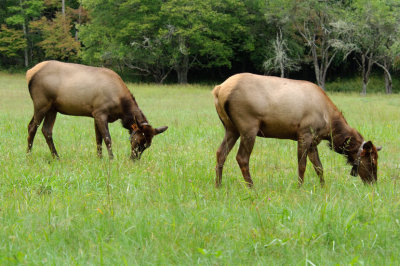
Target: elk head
[[366, 163], [141, 137]]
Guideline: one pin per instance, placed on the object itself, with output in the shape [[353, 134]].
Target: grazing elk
[[80, 90], [252, 105]]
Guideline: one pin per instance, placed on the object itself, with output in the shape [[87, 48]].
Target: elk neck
[[131, 113], [344, 139]]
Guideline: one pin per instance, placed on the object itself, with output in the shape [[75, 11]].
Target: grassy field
[[165, 209]]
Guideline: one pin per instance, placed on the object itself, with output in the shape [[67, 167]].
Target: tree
[[390, 48], [371, 31], [313, 20], [145, 49], [205, 33], [163, 35], [58, 43], [391, 52], [281, 59], [21, 13], [12, 41], [129, 39]]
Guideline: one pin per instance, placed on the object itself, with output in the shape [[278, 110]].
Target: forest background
[[339, 44]]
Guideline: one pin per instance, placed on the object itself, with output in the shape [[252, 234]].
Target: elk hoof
[[250, 185]]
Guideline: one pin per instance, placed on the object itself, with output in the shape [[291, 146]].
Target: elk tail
[[222, 106], [30, 74]]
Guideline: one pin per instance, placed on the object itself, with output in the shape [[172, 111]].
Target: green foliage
[[57, 40], [12, 41], [161, 35], [155, 38], [376, 24], [16, 15], [24, 11]]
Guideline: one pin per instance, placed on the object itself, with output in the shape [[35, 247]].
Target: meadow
[[165, 209]]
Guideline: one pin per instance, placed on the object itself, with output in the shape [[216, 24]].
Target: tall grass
[[164, 209]]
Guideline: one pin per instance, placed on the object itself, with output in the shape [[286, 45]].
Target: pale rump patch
[[33, 70]]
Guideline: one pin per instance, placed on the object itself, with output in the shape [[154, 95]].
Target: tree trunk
[[182, 76], [63, 7], [26, 48], [79, 20], [366, 64], [364, 88], [388, 77], [364, 75], [182, 70], [316, 66], [388, 83]]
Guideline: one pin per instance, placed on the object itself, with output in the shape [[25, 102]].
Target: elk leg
[[102, 126], [222, 152], [302, 150], [243, 157], [47, 131], [32, 128], [314, 158], [99, 141]]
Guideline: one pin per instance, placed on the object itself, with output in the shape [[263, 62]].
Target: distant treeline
[[200, 40]]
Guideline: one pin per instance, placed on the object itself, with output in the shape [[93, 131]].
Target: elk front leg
[[243, 157], [99, 141], [314, 158], [303, 145], [102, 125], [222, 152]]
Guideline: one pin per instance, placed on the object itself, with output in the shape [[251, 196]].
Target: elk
[[252, 105], [79, 90]]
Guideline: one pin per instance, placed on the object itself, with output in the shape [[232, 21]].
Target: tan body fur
[[252, 105], [75, 89]]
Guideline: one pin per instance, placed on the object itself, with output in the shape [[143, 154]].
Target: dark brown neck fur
[[344, 139], [131, 113]]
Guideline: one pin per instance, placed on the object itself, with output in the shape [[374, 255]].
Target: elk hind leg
[[34, 124], [47, 131], [243, 156], [226, 146]]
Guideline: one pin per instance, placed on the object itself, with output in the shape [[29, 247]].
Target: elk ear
[[367, 148], [160, 130], [368, 145], [378, 148]]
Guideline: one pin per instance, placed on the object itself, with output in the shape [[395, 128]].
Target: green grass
[[165, 209]]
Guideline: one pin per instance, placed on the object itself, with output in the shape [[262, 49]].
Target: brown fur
[[80, 90], [251, 105]]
